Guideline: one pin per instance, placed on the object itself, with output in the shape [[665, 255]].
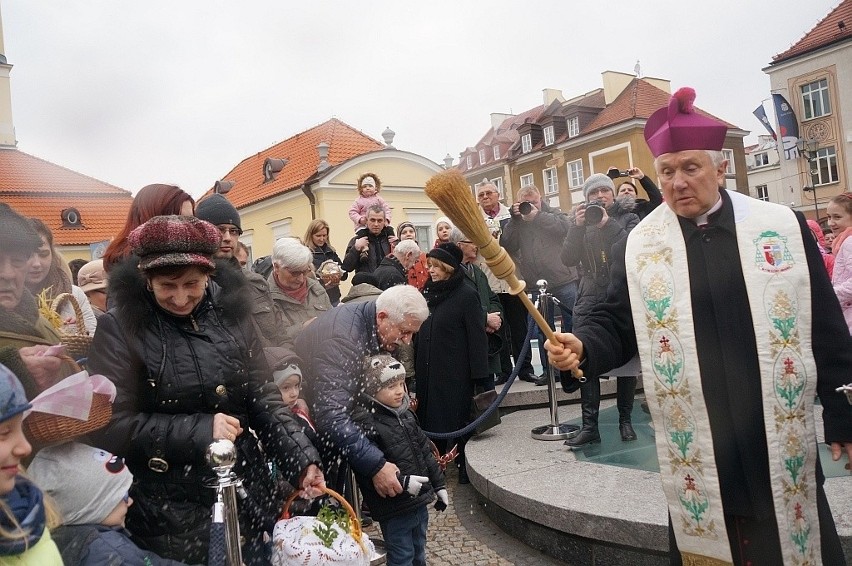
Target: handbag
[[479, 404]]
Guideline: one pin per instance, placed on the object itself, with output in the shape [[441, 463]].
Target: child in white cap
[[91, 488]]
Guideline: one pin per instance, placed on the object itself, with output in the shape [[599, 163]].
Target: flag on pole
[[760, 113], [788, 126]]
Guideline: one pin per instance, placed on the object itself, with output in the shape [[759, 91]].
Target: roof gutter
[[312, 199]]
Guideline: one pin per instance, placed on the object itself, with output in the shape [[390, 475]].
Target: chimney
[[614, 83], [551, 94], [498, 118], [448, 160], [322, 149]]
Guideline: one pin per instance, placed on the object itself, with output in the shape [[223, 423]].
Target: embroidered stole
[[778, 285]]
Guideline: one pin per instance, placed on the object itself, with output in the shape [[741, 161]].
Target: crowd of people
[[308, 384]]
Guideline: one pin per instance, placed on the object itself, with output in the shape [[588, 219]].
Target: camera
[[594, 213], [615, 173], [525, 208]]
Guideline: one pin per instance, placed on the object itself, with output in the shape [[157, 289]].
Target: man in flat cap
[[727, 302]]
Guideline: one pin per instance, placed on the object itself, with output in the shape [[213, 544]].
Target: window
[[468, 162], [482, 157], [526, 180], [548, 135], [423, 236], [476, 189], [761, 159], [575, 174], [551, 182], [573, 127], [496, 152], [825, 165], [729, 155], [526, 143], [762, 192], [815, 99], [498, 182]]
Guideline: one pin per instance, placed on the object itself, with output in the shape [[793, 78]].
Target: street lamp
[[808, 149]]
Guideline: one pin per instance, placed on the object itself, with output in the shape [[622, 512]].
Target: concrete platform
[[603, 505]]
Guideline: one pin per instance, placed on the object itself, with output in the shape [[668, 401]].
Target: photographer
[[626, 189], [598, 225], [528, 237]]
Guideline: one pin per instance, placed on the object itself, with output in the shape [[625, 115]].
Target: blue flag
[[788, 126], [760, 113]]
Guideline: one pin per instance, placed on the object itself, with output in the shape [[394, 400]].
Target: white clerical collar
[[702, 220]]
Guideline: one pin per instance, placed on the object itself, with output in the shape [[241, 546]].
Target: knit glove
[[413, 484], [443, 500]]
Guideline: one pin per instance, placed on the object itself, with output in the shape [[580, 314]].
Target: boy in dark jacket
[[90, 487], [394, 428]]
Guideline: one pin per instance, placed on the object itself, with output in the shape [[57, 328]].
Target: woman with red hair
[[150, 201]]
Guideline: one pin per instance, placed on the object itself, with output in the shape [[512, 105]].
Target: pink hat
[[678, 127]]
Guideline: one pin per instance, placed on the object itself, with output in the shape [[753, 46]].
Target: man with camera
[[598, 224], [528, 237]]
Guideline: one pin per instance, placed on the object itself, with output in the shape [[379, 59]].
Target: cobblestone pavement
[[464, 535]]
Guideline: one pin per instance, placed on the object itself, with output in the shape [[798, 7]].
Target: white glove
[[443, 500], [412, 484]]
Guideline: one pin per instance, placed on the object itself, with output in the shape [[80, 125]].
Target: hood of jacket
[[134, 303]]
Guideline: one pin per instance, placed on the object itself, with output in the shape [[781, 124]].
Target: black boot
[[590, 398], [626, 389]]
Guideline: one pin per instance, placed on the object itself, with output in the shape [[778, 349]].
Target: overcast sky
[[180, 91]]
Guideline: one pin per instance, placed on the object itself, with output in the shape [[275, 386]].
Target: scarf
[[436, 292], [838, 241], [25, 504], [299, 294], [23, 319]]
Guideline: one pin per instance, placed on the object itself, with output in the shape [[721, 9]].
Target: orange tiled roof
[[836, 26], [345, 142], [36, 187], [639, 100]]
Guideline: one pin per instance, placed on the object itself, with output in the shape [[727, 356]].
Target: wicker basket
[[77, 344], [46, 428]]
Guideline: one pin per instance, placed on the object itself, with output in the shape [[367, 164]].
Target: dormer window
[[469, 162], [526, 143], [573, 127], [496, 152], [71, 218], [482, 157], [548, 135]]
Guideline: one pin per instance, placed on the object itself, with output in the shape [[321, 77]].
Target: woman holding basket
[[188, 371]]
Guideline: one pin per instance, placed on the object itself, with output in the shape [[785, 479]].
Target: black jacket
[[379, 248], [322, 255], [398, 435], [530, 243], [172, 374], [390, 273], [655, 198]]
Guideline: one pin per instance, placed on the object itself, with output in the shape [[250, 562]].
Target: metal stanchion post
[[380, 554], [221, 456], [555, 430]]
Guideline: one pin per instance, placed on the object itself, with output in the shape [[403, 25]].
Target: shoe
[[528, 377], [463, 479], [543, 379], [586, 436], [627, 432]]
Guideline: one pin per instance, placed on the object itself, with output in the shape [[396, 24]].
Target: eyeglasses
[[484, 194], [465, 242], [232, 231], [599, 191]]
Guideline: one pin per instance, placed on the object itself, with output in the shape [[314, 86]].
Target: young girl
[[369, 187], [840, 222], [24, 535], [443, 228]]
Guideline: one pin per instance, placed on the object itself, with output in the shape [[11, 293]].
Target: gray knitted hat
[[216, 209], [13, 399], [87, 483], [597, 181], [381, 371]]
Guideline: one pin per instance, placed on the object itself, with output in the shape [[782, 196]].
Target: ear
[[721, 172]]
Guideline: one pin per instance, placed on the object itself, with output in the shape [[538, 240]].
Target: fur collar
[[134, 305]]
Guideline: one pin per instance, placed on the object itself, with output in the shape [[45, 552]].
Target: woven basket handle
[[354, 523], [78, 314]]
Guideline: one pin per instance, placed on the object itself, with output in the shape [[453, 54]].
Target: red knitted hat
[[167, 241]]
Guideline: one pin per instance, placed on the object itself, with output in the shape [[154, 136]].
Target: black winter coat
[[379, 248], [398, 435], [172, 374], [390, 273], [450, 352]]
